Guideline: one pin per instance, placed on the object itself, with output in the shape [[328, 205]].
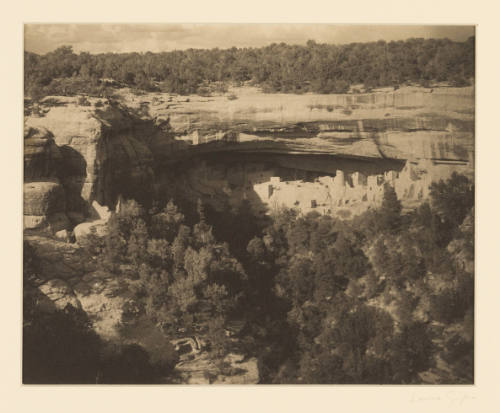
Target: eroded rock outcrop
[[59, 292], [107, 150], [44, 204], [42, 157], [59, 259], [96, 226], [103, 298], [94, 153], [410, 123], [202, 369], [80, 158], [66, 274]]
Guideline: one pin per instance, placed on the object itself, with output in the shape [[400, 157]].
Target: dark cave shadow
[[72, 174], [238, 223]]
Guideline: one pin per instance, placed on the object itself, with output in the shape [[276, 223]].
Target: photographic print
[[248, 204]]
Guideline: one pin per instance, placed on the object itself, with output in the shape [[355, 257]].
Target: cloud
[[98, 38]]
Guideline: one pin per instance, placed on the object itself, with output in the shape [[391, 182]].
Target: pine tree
[[166, 223], [137, 243], [390, 211]]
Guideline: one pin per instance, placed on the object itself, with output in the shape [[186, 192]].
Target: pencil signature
[[453, 398]]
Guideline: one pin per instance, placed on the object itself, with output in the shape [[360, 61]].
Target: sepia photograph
[[248, 204]]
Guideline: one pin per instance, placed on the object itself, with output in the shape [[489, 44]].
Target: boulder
[[34, 221], [68, 299], [60, 293], [83, 230], [43, 198], [63, 235], [42, 156], [101, 211], [55, 289], [60, 259], [44, 205]]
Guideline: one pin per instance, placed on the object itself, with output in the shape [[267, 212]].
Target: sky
[[101, 38]]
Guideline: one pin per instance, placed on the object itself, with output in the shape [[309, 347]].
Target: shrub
[[37, 111], [344, 213], [459, 81], [452, 303], [51, 102], [204, 91], [83, 101]]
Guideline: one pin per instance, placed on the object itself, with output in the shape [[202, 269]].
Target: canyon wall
[[79, 157], [410, 123], [326, 153], [431, 131]]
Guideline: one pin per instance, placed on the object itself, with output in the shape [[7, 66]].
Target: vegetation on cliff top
[[321, 68]]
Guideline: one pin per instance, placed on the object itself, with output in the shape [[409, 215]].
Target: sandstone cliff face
[[410, 123], [41, 155], [432, 130], [326, 153], [68, 275], [329, 153], [101, 151], [80, 156], [45, 204], [93, 151], [77, 160]]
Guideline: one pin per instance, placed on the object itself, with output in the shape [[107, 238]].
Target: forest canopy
[[386, 297], [315, 67]]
